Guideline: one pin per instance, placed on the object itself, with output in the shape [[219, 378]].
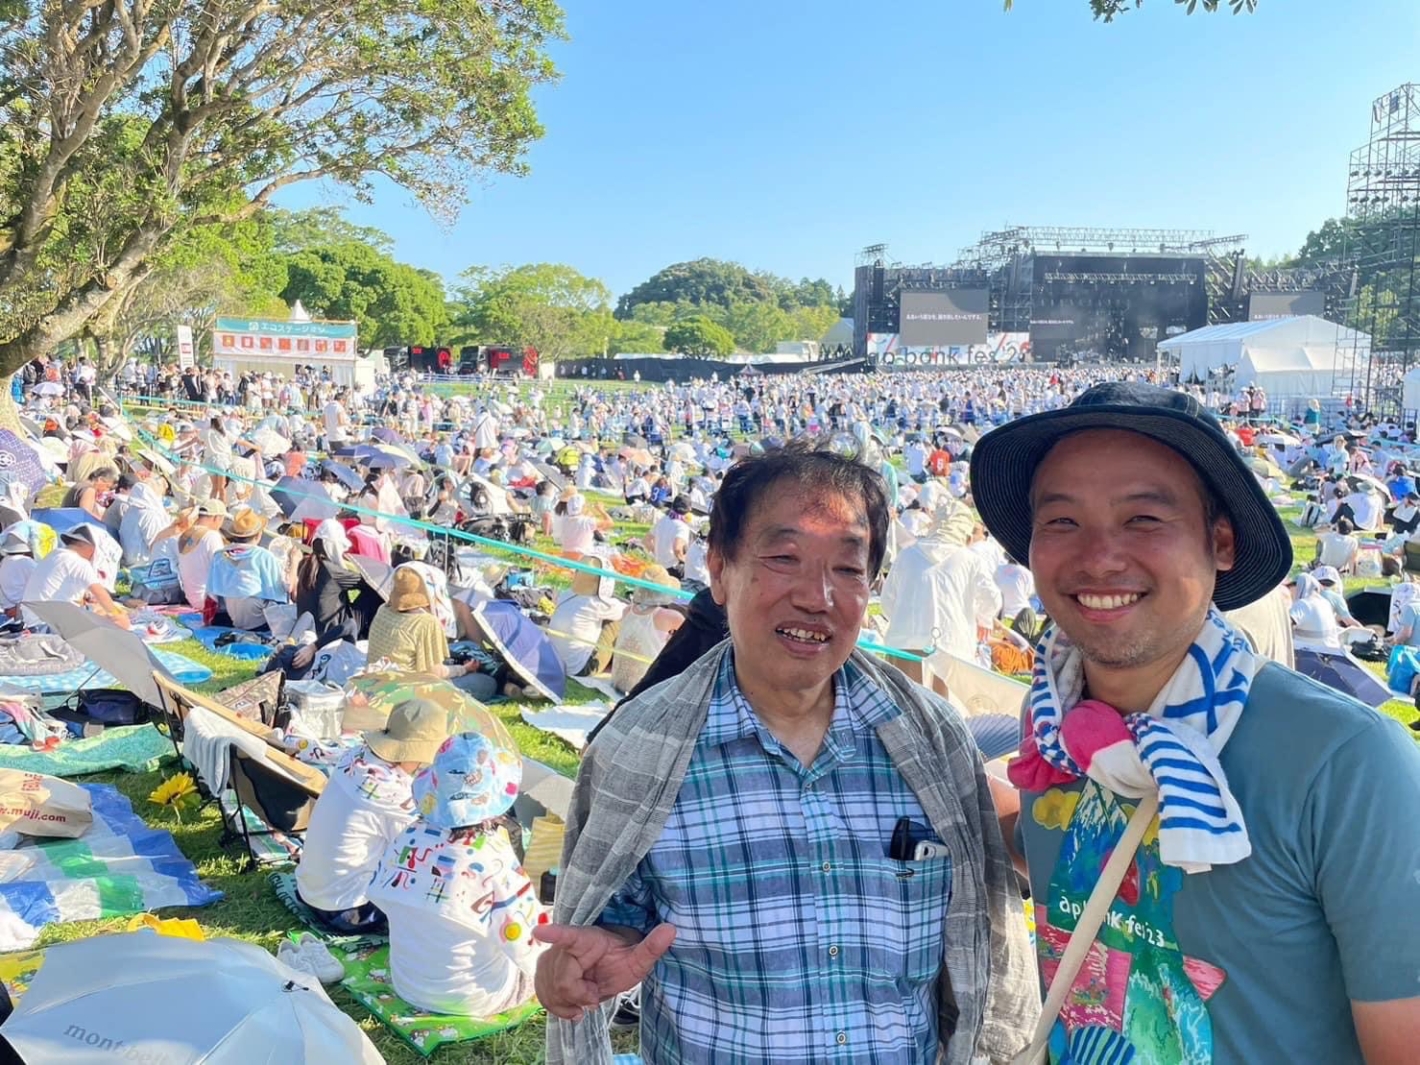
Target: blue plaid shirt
[[798, 939]]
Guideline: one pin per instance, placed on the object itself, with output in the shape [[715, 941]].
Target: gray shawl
[[988, 992]]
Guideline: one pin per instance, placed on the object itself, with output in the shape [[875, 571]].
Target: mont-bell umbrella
[[145, 997], [120, 652]]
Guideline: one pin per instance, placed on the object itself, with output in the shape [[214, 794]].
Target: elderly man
[[1272, 910], [794, 846]]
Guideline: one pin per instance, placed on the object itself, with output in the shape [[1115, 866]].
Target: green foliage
[[1109, 10], [392, 302], [700, 336], [758, 309], [637, 337], [122, 126], [701, 282], [548, 306]]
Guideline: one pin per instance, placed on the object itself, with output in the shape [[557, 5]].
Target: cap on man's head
[[79, 534], [1005, 460], [1327, 575]]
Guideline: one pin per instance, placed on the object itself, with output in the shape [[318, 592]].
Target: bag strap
[[1083, 937]]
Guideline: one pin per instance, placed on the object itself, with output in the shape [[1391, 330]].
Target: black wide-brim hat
[[1005, 460]]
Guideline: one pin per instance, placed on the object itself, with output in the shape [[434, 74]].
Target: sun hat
[[212, 508], [14, 543], [79, 534], [414, 732], [247, 523], [471, 780], [1004, 464], [408, 591]]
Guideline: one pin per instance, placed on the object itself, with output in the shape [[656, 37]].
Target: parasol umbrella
[[270, 441], [145, 997], [348, 477], [682, 451], [384, 460], [525, 647], [635, 440], [1265, 466], [157, 461], [372, 696], [386, 434], [120, 652], [551, 473], [378, 575], [19, 462], [639, 455], [48, 388], [1342, 672], [1279, 439], [288, 493]]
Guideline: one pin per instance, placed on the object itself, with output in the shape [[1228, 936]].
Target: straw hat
[[408, 592], [471, 780], [247, 523], [414, 733], [656, 574]]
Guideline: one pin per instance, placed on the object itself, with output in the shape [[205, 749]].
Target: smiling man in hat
[[1272, 912], [367, 804]]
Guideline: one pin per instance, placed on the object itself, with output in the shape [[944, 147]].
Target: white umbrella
[[270, 441], [1279, 439], [146, 997], [121, 652]]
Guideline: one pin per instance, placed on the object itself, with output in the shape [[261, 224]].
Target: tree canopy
[[1109, 10], [699, 336], [548, 306], [125, 124]]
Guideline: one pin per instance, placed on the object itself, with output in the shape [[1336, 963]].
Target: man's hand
[[587, 966], [302, 658]]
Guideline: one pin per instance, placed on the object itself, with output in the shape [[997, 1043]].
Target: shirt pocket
[[916, 896]]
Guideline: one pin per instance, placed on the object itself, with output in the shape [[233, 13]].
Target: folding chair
[[278, 801]]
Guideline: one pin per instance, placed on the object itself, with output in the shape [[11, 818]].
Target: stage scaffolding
[[1383, 222]]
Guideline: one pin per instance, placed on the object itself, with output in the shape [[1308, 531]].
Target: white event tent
[[1302, 355]]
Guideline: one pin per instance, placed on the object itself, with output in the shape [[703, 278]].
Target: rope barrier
[[497, 545]]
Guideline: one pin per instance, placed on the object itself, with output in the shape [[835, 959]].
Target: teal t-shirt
[[1256, 961]]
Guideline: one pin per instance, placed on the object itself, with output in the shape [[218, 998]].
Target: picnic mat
[[367, 978], [119, 867], [572, 724], [269, 848], [284, 884], [246, 649], [184, 670], [134, 748]]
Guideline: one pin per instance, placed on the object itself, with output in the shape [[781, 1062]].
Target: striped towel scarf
[[1172, 748]]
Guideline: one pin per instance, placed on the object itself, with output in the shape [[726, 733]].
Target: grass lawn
[[250, 910]]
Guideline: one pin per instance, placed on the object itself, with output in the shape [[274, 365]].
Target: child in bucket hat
[[461, 910]]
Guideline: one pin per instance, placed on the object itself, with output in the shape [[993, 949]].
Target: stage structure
[[1070, 294], [1382, 230]]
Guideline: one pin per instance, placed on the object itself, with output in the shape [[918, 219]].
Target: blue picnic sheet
[[184, 670]]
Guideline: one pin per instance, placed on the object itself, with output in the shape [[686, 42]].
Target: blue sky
[[787, 135]]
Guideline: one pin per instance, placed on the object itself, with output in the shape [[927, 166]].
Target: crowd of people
[[785, 848]]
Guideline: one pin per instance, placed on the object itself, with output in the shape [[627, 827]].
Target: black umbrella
[[635, 440], [551, 473], [288, 492], [1340, 671]]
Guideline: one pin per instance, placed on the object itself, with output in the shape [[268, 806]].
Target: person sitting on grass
[[586, 620], [461, 910], [368, 802], [246, 578], [406, 634]]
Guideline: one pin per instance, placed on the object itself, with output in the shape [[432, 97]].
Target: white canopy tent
[[1297, 356]]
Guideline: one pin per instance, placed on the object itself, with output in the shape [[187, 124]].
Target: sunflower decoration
[[178, 793]]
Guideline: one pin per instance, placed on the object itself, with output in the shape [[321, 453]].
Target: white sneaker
[[320, 960], [290, 955]]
